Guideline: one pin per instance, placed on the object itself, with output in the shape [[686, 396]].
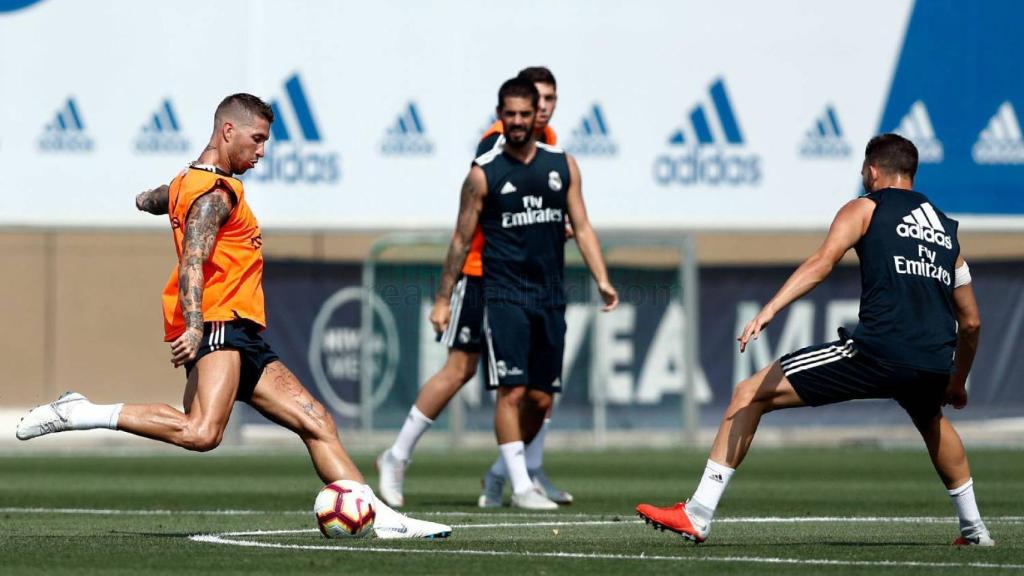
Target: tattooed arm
[[153, 201], [204, 220], [474, 189]]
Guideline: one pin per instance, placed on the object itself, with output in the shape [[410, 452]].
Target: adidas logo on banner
[[916, 126], [923, 224], [296, 157], [66, 133], [591, 137], [1001, 141], [825, 138], [708, 150], [162, 133], [407, 136]]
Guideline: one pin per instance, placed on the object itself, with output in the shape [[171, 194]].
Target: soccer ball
[[344, 509]]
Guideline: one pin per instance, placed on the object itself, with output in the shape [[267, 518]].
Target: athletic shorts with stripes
[[467, 315], [837, 372], [524, 346], [243, 336]]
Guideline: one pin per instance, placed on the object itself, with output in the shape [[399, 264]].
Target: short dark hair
[[246, 103], [539, 75], [518, 87], [892, 153]]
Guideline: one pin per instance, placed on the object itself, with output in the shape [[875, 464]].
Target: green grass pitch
[[90, 514]]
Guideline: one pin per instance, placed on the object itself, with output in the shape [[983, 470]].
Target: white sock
[[416, 424], [513, 453], [709, 491], [86, 416], [535, 449], [966, 507]]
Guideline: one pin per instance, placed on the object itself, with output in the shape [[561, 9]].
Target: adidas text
[[927, 234], [298, 165], [707, 166]]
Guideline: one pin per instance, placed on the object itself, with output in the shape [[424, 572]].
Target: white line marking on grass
[[227, 539]]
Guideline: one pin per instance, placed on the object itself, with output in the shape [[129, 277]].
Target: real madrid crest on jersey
[[554, 181]]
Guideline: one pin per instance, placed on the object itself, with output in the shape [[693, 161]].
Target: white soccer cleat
[[533, 499], [492, 488], [556, 495], [50, 418], [390, 525], [392, 478]]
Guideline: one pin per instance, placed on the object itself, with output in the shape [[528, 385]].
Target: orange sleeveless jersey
[[474, 265], [233, 275]]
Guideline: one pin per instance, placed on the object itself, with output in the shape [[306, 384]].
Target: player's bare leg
[[459, 368], [283, 399], [208, 400], [763, 392], [752, 398], [209, 397], [950, 460], [514, 405]]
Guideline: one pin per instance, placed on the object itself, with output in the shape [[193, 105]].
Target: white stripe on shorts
[[814, 355], [844, 352], [492, 363], [455, 307]]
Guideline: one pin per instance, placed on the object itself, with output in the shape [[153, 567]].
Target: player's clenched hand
[[956, 396], [440, 315], [609, 295], [185, 347], [754, 327]]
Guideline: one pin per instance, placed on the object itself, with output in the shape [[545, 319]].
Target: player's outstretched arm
[[968, 333], [153, 201], [849, 225], [471, 203], [586, 238], [204, 220]]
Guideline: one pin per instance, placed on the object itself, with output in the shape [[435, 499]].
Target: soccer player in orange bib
[[213, 317]]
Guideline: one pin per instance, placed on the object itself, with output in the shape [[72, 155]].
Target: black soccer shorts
[[524, 346], [837, 372], [467, 316], [241, 335]]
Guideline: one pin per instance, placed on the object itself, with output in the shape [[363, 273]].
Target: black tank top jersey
[[523, 220], [907, 262]]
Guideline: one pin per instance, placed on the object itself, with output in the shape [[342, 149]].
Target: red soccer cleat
[[676, 519], [979, 539]]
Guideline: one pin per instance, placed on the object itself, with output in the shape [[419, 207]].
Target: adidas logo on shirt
[[591, 137], [923, 224], [825, 138], [508, 188], [162, 133], [1000, 142], [297, 157], [407, 136], [708, 149], [916, 126], [66, 132]]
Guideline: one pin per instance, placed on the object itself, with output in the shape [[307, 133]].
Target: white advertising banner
[[681, 114]]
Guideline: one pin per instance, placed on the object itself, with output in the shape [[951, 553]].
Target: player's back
[[523, 221], [233, 274], [907, 260]]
